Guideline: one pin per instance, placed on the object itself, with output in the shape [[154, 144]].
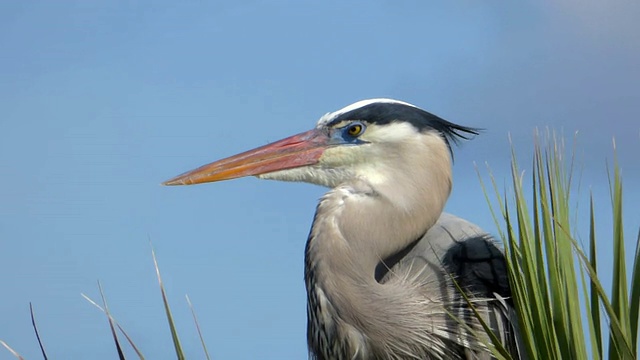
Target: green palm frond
[[555, 284]]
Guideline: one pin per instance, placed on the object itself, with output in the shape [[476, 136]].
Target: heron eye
[[355, 129]]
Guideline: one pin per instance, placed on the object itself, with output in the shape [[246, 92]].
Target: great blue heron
[[381, 256]]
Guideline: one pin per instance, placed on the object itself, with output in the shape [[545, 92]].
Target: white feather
[[327, 118]]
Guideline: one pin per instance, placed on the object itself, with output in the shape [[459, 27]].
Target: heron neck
[[357, 226]]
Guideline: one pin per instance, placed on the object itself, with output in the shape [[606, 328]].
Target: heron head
[[369, 139]]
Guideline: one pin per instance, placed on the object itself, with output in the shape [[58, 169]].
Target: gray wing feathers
[[458, 248]]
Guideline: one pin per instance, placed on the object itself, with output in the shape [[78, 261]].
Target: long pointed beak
[[299, 150]]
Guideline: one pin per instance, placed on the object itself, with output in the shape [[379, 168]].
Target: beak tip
[[175, 181]]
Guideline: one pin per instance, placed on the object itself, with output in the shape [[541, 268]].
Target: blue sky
[[101, 101]]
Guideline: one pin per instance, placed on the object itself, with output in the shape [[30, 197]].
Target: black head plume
[[385, 111]]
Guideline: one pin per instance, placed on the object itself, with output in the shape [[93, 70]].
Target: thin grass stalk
[[35, 329], [111, 326], [590, 331], [634, 296], [172, 326], [195, 320], [486, 197], [10, 349], [596, 332], [619, 291], [120, 328], [494, 345]]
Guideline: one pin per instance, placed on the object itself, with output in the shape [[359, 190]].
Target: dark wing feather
[[462, 249]]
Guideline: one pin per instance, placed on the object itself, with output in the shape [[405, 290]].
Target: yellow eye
[[355, 129]]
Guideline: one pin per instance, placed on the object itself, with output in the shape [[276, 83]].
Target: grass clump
[[563, 310]]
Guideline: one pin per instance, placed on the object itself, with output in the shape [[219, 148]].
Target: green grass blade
[[174, 332], [516, 281], [111, 326], [550, 273], [634, 296], [596, 338], [115, 322], [486, 196], [595, 355], [562, 221], [195, 320], [619, 291], [619, 338]]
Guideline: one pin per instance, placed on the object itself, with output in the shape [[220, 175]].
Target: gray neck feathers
[[351, 315]]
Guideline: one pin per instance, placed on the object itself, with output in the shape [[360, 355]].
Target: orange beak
[[299, 150]]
